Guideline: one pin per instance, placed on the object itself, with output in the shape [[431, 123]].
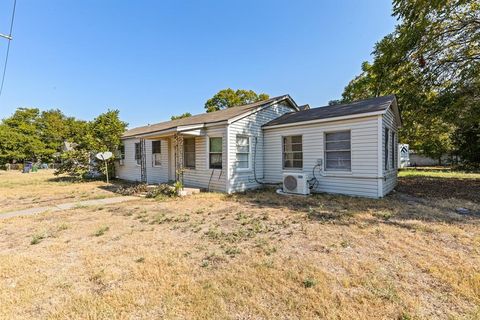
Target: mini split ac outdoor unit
[[295, 183]]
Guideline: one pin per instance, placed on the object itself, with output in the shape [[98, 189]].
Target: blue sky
[[153, 59]]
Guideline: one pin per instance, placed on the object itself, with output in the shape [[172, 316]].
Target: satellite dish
[[104, 155]]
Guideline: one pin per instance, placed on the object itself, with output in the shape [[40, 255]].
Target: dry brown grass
[[251, 256], [38, 189]]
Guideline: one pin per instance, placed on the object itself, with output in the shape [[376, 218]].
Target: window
[[121, 151], [243, 152], [215, 153], [338, 154], [189, 153], [138, 153], [292, 152], [156, 153], [393, 150], [386, 148]]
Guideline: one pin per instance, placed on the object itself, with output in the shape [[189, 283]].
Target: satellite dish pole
[[104, 156]]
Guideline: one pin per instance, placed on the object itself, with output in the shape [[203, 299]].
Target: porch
[[181, 155]]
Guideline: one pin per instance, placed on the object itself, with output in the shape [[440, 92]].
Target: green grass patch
[[438, 174]]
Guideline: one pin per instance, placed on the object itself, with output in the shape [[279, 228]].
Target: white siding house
[[350, 148]]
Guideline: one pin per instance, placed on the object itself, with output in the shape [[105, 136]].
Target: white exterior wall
[[251, 126], [131, 171], [201, 176], [362, 180], [390, 175]]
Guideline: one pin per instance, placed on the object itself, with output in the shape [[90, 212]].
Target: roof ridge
[[236, 110], [355, 101]]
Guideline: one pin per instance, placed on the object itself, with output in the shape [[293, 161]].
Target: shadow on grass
[[66, 179], [443, 188], [121, 187], [397, 208]]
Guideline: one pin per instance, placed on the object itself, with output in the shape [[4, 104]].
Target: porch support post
[[178, 140], [143, 161]]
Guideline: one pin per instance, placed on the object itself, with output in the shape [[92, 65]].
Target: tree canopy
[[181, 116], [31, 135], [228, 98], [432, 63]]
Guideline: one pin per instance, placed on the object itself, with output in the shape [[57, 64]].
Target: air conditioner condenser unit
[[296, 183]]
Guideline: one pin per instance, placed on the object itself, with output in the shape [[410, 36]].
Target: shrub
[[162, 190], [132, 189]]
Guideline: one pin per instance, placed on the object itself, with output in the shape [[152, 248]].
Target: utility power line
[[9, 39]]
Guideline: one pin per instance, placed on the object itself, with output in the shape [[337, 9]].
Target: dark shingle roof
[[211, 117], [339, 110]]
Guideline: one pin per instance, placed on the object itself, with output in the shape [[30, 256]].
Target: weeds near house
[[37, 238], [309, 283], [62, 227], [162, 190], [101, 231], [232, 251]]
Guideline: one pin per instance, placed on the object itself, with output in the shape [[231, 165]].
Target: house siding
[[363, 180], [390, 175], [251, 126], [200, 177], [129, 170]]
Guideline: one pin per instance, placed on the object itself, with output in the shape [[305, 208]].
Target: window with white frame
[[156, 153], [243, 152], [387, 134], [138, 153], [121, 154], [393, 150], [338, 154], [292, 152], [215, 153], [189, 153]]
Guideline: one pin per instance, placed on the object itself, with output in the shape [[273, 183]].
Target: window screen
[[338, 154], [189, 153], [156, 147], [393, 150], [386, 148], [292, 152], [243, 152], [215, 153], [138, 154]]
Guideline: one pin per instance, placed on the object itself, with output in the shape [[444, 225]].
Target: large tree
[[228, 98], [431, 62], [102, 134]]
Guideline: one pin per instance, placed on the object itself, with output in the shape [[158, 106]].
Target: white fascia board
[[228, 183], [190, 127], [154, 134], [380, 155], [354, 116], [194, 132]]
